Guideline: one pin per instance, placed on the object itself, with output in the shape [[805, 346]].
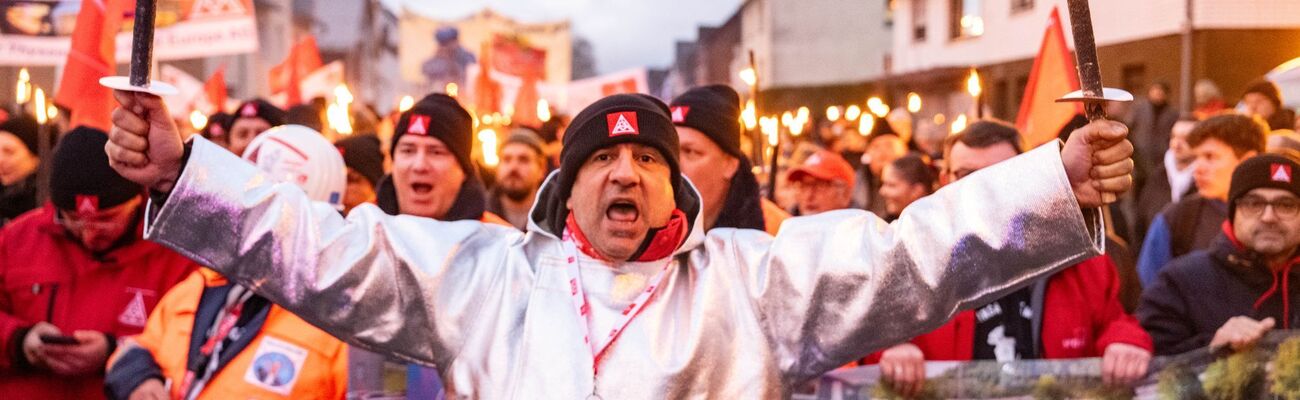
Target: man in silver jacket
[[676, 313]]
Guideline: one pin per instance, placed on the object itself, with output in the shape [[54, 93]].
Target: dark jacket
[[1150, 127], [18, 198], [1196, 220], [1152, 198], [1196, 294]]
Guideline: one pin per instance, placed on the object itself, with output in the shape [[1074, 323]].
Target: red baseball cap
[[824, 165]]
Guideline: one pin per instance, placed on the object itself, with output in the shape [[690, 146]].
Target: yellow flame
[[833, 113], [853, 112], [866, 124], [342, 95], [52, 112], [748, 76], [749, 116], [24, 87], [769, 128], [878, 107], [913, 102], [405, 104], [198, 120], [452, 89], [337, 115], [973, 84], [40, 105], [543, 110], [802, 114], [488, 139], [787, 119], [959, 123]]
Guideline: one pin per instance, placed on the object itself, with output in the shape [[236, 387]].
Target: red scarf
[[662, 241]]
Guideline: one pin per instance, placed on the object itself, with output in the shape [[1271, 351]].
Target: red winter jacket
[[46, 275], [1081, 316]]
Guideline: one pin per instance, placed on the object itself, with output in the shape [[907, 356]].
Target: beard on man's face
[[514, 187]]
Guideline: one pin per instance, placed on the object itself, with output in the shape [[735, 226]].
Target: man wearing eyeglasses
[[824, 182], [75, 275], [1230, 295]]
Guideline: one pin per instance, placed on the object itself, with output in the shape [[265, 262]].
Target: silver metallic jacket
[[744, 316]]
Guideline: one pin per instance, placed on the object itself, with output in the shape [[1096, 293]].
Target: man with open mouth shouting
[[616, 291]]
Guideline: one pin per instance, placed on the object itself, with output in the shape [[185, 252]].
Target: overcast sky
[[624, 33]]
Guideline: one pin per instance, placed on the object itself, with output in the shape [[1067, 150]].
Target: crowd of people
[[1198, 253]]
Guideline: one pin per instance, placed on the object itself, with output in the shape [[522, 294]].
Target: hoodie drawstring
[[1284, 276]]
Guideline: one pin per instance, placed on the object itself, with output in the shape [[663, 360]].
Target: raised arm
[[389, 284], [833, 287]]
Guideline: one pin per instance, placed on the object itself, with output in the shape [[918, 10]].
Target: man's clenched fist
[[144, 145]]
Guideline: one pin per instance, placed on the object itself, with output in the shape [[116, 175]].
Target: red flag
[[215, 89], [1053, 75], [487, 93], [90, 58], [303, 58]]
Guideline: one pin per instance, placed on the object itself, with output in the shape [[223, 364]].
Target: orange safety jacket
[[286, 359]]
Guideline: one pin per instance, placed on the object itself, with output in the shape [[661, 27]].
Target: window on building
[[1134, 77], [967, 18], [1021, 5], [919, 17]]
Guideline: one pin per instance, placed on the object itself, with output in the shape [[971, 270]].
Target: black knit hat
[[618, 119], [713, 110], [1263, 171], [259, 108], [362, 153], [26, 129], [218, 126], [1267, 89], [80, 178], [441, 117]]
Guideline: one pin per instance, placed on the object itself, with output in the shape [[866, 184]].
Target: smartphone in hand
[[59, 339]]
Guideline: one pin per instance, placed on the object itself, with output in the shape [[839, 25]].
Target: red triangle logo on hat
[[679, 114], [622, 123], [87, 204], [249, 110], [1280, 173], [419, 125]]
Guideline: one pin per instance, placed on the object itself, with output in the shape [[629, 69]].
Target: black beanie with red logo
[[1263, 171], [81, 179], [441, 117], [714, 110], [614, 120]]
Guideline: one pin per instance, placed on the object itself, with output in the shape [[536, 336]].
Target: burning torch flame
[[973, 84], [853, 112], [40, 105], [749, 116], [959, 123], [198, 120], [768, 126], [452, 89], [488, 138], [913, 102], [866, 125], [405, 104], [877, 107], [833, 113], [543, 110], [24, 86], [748, 76]]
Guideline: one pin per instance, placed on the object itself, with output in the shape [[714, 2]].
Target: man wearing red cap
[[616, 291], [824, 182]]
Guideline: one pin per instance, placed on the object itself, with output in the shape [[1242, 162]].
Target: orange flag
[[303, 58], [1053, 75], [90, 58], [215, 89]]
